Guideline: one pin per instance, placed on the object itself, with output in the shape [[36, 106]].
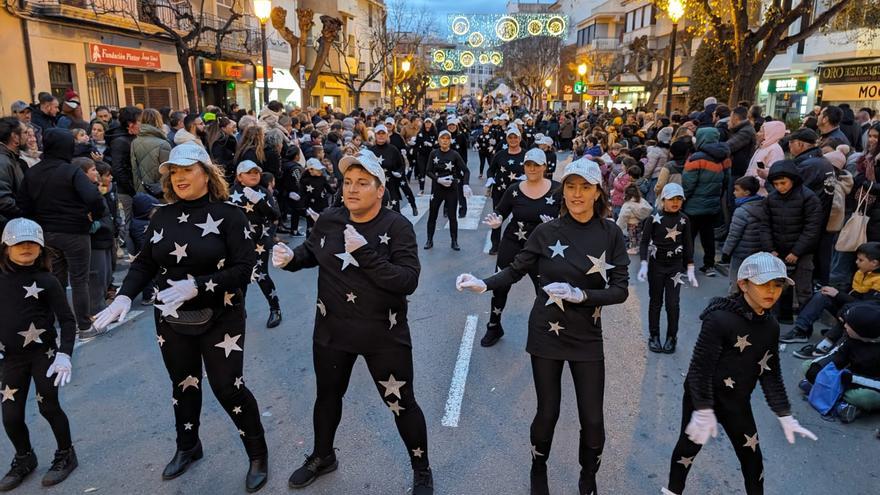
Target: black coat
[[795, 218], [818, 176], [119, 143]]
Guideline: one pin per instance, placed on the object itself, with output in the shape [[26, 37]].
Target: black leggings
[[421, 170], [704, 226], [261, 276], [589, 388], [392, 370], [183, 356], [496, 198], [17, 373], [660, 283], [739, 424], [447, 196], [395, 186], [485, 159], [507, 251]]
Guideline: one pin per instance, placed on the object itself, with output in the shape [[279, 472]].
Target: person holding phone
[[769, 152]]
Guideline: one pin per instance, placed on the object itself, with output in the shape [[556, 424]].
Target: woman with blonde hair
[[198, 261]]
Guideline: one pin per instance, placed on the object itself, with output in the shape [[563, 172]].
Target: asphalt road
[[119, 405]]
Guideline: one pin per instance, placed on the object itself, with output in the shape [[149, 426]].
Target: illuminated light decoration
[[534, 27], [556, 26], [444, 81], [439, 56], [507, 29], [433, 84], [466, 59], [461, 25], [476, 39], [449, 64], [484, 59], [496, 58]]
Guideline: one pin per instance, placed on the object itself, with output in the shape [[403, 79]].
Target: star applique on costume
[[50, 353], [449, 166], [762, 364], [384, 238], [179, 251], [221, 263], [322, 308], [347, 259], [157, 236], [183, 218], [677, 279], [235, 197], [260, 249], [323, 239], [392, 319], [551, 299], [309, 189], [32, 291], [189, 381], [550, 200], [210, 285], [239, 381], [672, 233], [521, 234], [600, 266], [350, 297], [512, 176], [167, 309], [597, 314], [187, 426], [535, 453], [417, 452], [742, 342], [160, 340], [210, 226], [8, 394], [229, 344], [752, 442], [32, 334], [686, 461], [652, 250], [729, 382], [555, 327], [515, 193], [656, 217], [227, 298], [392, 387], [496, 311], [395, 408], [39, 398], [249, 207]]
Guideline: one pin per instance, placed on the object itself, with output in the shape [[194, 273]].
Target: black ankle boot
[[669, 346], [493, 335], [313, 468], [415, 211], [462, 213], [587, 483], [257, 475], [455, 245], [274, 318], [423, 482], [538, 479], [62, 465], [429, 244], [22, 466], [181, 461], [654, 344]]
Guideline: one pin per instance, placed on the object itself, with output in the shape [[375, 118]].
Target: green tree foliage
[[710, 76]]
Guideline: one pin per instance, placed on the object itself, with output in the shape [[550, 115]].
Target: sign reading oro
[[124, 57]]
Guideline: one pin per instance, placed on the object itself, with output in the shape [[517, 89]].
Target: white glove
[[546, 218], [470, 282], [353, 239], [116, 311], [467, 191], [179, 291], [397, 174], [445, 181], [566, 292], [791, 426], [493, 220], [312, 214], [61, 365], [692, 278], [281, 255], [489, 183], [252, 195], [701, 426], [294, 196], [643, 272]]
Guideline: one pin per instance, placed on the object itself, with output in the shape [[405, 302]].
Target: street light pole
[[675, 11], [263, 9]]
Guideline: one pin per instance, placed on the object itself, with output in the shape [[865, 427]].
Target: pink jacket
[[621, 182]]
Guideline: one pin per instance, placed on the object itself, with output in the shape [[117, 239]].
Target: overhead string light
[[491, 30]]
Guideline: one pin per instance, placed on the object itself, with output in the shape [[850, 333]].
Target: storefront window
[[101, 82], [60, 78]]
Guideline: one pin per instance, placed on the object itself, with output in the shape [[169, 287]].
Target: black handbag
[[191, 322]]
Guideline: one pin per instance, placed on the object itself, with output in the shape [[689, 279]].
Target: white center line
[[459, 376]]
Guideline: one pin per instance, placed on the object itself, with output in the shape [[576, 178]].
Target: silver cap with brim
[[535, 155], [367, 160], [763, 267], [444, 132], [380, 128], [186, 155], [247, 166], [513, 130], [390, 120], [314, 163], [584, 168], [20, 230], [672, 190]]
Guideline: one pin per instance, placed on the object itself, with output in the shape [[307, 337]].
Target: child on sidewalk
[[634, 211], [629, 176], [666, 250], [746, 226]]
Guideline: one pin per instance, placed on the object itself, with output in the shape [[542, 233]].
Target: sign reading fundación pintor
[[123, 57]]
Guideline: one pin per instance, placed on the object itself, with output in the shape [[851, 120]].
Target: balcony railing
[[605, 44]]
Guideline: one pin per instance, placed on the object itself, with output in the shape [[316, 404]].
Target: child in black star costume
[[666, 250], [261, 211], [32, 301], [736, 349], [314, 190]]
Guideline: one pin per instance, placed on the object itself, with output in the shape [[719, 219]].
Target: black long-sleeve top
[[390, 159], [260, 215], [551, 162], [736, 349], [486, 143], [666, 238], [500, 138], [315, 191], [444, 164], [590, 256], [209, 240], [460, 145], [506, 168], [362, 304], [425, 141], [32, 300], [526, 212]]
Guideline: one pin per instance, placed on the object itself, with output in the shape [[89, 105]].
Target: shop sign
[[567, 89], [851, 92], [598, 92], [631, 89], [567, 97], [226, 71], [787, 85], [579, 87], [123, 57], [850, 73]]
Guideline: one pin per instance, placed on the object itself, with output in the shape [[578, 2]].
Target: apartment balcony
[[604, 45], [241, 39], [841, 45]]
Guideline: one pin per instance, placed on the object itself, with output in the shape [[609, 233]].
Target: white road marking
[[475, 212], [422, 203], [488, 245], [459, 376], [131, 316]]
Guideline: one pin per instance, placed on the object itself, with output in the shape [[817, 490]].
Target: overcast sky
[[444, 7]]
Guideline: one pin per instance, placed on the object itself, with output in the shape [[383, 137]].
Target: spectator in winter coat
[[671, 171], [705, 177], [44, 115], [192, 131], [795, 218], [621, 182], [221, 144], [741, 141], [149, 150], [747, 226], [768, 152], [12, 168], [829, 127], [706, 117], [119, 140], [657, 157]]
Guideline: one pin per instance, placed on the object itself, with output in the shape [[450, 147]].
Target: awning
[[281, 79]]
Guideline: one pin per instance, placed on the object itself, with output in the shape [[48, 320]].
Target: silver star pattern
[[235, 197], [384, 238], [239, 381], [32, 334], [417, 452], [167, 309], [32, 291], [555, 327], [550, 200], [179, 251], [347, 259], [322, 308], [229, 344], [210, 285], [751, 442], [656, 217], [183, 218], [520, 234], [672, 233], [677, 279], [260, 249], [392, 319], [236, 410], [350, 297], [742, 342], [157, 236], [762, 364], [729, 382], [227, 298], [551, 299], [600, 266], [685, 461], [395, 408], [160, 340], [189, 381], [8, 394], [535, 453], [558, 249], [392, 387], [597, 314]]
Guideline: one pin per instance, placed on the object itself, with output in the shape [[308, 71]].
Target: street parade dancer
[[529, 203], [426, 140], [368, 263], [504, 169], [33, 301], [447, 171], [398, 142], [737, 348], [199, 259], [393, 163], [485, 145], [581, 258], [261, 211], [665, 261], [460, 146]]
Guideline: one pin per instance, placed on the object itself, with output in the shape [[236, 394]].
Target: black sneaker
[[63, 464], [493, 335], [794, 336], [805, 352], [22, 466], [846, 412], [423, 482], [711, 271], [313, 468]]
